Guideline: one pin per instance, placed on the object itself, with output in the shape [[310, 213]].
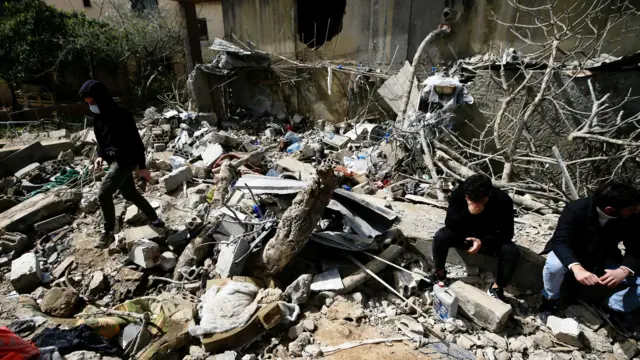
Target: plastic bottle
[[445, 302]]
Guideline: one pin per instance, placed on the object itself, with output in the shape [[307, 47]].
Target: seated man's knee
[[442, 236], [511, 251], [553, 264]]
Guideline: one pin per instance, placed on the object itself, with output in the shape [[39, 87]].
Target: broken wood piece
[[424, 200], [298, 222], [565, 174], [358, 278]]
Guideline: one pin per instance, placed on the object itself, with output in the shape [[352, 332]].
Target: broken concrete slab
[[19, 158], [211, 154], [25, 273], [393, 89], [42, 206], [491, 314], [298, 291], [146, 232], [565, 330], [53, 223], [174, 179], [269, 185], [60, 269], [133, 215], [26, 170], [329, 280], [625, 349], [59, 302], [584, 315], [303, 171], [145, 253]]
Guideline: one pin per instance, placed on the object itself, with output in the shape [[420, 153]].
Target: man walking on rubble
[[120, 145], [585, 243], [479, 219]]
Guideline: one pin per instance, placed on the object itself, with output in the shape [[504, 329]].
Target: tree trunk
[[404, 101]]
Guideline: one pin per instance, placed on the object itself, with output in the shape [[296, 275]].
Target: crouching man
[[585, 244], [479, 219]]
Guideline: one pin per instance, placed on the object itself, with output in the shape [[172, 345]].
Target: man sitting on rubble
[[479, 219], [585, 243], [119, 144]]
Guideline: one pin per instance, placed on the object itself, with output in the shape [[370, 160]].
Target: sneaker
[[157, 223], [437, 276], [546, 309], [497, 293], [106, 238]]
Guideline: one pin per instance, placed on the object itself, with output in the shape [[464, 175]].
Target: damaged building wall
[[372, 30], [548, 128]]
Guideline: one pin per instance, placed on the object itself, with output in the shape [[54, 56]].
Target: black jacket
[[115, 129], [580, 238], [493, 226]]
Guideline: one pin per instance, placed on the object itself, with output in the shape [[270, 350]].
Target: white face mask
[[94, 109]]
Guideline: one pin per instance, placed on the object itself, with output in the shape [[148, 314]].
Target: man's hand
[[613, 277], [477, 244], [98, 163], [584, 277], [145, 174]]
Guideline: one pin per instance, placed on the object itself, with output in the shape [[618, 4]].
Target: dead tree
[[552, 37]]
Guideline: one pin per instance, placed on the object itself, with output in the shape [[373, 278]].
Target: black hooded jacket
[[115, 129]]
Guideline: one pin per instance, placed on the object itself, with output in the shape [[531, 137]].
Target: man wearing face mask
[[479, 219], [119, 145], [586, 244]]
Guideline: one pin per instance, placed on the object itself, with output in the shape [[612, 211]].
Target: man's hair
[[477, 187], [616, 195]]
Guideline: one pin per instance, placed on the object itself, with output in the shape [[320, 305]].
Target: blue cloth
[[625, 300]]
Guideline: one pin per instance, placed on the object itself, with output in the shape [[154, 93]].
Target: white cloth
[[226, 308]]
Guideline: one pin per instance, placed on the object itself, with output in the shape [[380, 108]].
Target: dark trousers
[[508, 254], [121, 178]]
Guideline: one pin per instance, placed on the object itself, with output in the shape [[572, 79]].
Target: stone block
[[53, 223], [491, 314], [25, 273], [625, 349], [145, 253], [98, 284], [21, 158], [565, 330], [146, 232], [27, 170], [59, 302], [174, 179], [228, 264], [168, 261]]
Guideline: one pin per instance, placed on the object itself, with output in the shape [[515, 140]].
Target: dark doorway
[[319, 21]]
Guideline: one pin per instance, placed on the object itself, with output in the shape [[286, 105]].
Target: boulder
[[25, 273], [59, 302]]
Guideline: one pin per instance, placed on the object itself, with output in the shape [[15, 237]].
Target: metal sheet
[[269, 185]]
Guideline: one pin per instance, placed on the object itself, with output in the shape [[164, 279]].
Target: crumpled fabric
[[13, 347], [78, 338], [226, 308]]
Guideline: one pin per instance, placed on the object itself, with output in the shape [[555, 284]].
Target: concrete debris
[[489, 313], [99, 284], [625, 349], [168, 261], [327, 281], [13, 242], [585, 315], [565, 330], [53, 223], [59, 302], [134, 338], [133, 215], [62, 267], [174, 179], [145, 253], [25, 273], [141, 233], [298, 291]]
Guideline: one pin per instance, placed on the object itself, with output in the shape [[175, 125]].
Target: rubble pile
[[291, 239]]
